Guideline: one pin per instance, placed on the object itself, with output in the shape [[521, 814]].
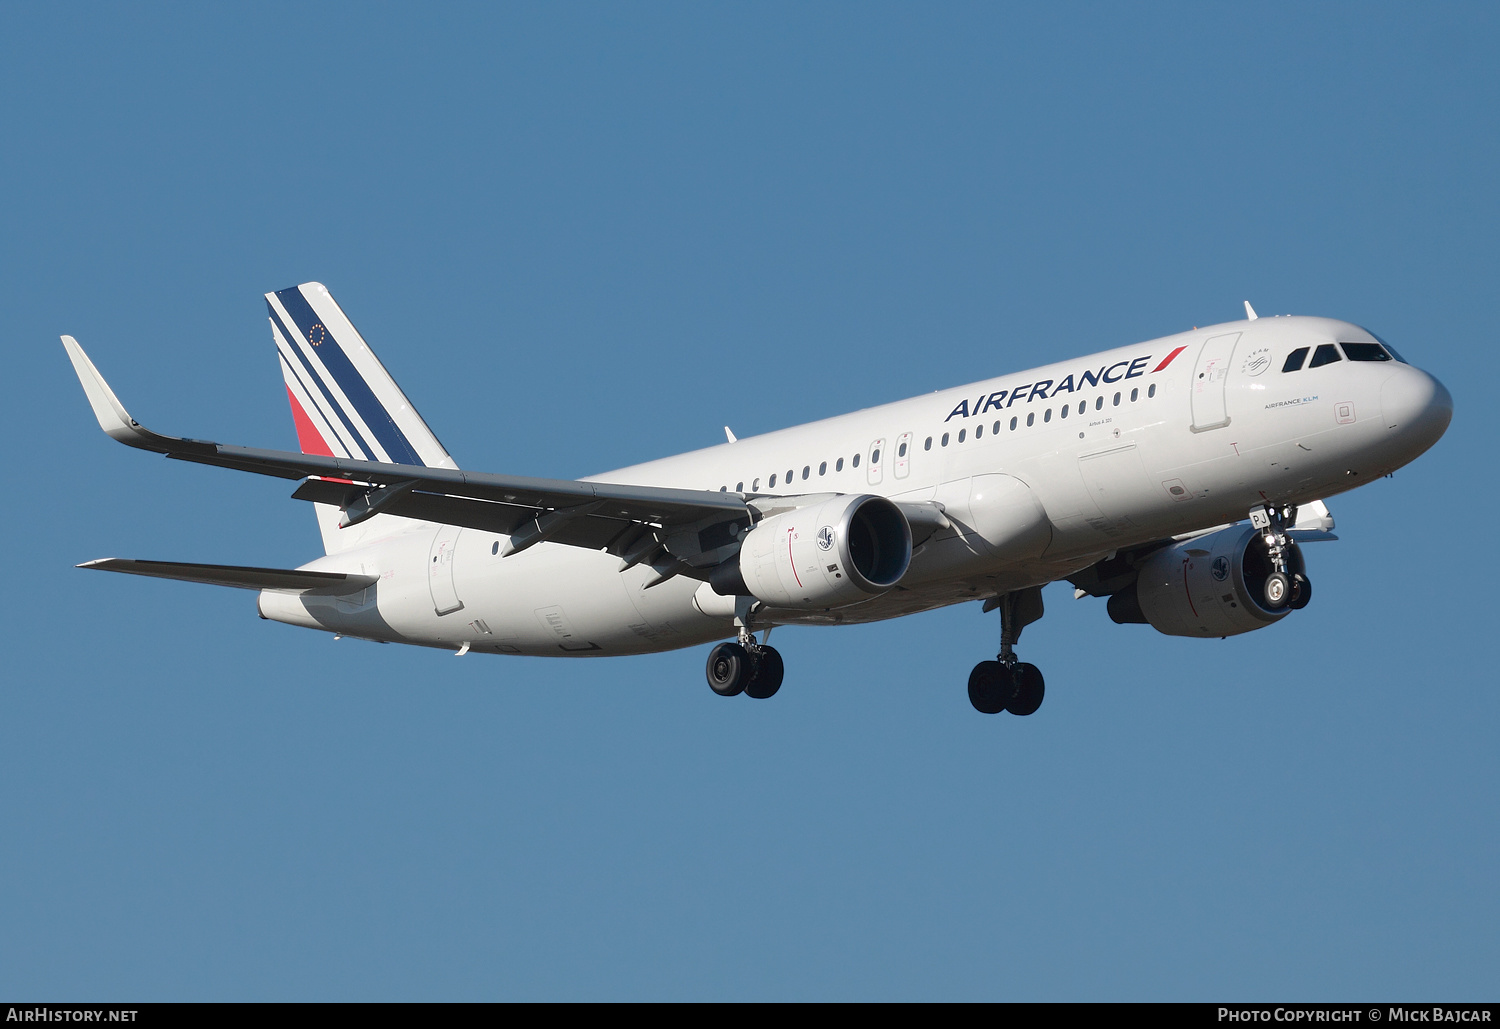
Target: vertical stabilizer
[[344, 403]]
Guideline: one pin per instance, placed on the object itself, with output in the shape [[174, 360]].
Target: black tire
[[728, 669], [990, 687], [1278, 590], [768, 672], [1030, 689], [1301, 592]]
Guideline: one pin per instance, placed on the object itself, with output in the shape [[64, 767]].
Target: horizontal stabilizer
[[290, 579]]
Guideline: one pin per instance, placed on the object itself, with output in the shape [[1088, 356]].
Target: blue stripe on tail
[[308, 376], [348, 378]]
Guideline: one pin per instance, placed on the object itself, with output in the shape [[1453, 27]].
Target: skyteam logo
[[1220, 568], [825, 538]]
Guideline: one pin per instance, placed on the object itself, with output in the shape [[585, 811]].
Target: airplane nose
[[1416, 406]]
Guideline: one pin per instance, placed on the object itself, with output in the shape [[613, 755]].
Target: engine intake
[[840, 552], [1212, 585]]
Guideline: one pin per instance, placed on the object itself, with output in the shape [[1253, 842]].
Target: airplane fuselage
[[1040, 473]]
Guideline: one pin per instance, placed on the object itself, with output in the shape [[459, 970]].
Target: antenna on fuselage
[[729, 435], [1250, 311]]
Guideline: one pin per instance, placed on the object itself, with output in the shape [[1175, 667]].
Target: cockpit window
[[1389, 349], [1294, 360], [1326, 353], [1365, 352]]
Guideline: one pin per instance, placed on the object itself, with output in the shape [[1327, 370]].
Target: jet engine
[[1213, 585], [840, 552]]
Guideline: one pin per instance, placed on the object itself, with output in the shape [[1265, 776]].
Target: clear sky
[[588, 235]]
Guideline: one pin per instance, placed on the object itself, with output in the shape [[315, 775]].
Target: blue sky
[[585, 236]]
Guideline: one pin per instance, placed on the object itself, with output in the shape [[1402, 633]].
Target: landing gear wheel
[[1030, 688], [1278, 589], [729, 667], [768, 672], [1301, 592], [990, 687]]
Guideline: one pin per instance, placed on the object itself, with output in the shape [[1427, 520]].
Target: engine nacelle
[[833, 554], [1209, 586]]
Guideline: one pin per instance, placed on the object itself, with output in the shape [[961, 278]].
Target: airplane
[[1178, 478]]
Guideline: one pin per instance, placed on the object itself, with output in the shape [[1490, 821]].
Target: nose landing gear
[[1283, 587], [1006, 684]]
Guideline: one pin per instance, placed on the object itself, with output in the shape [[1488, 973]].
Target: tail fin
[[344, 402]]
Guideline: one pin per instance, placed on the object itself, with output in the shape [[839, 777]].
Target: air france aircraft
[[1178, 478]]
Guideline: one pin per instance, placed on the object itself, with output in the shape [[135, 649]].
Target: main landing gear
[[754, 669], [1007, 684]]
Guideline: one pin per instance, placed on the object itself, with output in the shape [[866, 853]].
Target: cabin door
[[1208, 382], [440, 570]]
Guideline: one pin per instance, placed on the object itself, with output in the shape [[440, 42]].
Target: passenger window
[[755, 486], [723, 489], [874, 457], [1083, 405], [838, 465], [1012, 424], [901, 452], [978, 431], [995, 428], [1117, 400], [928, 444], [961, 434], [854, 462], [772, 483], [1326, 353], [1031, 419], [806, 470], [1365, 352], [1065, 409], [789, 476], [1047, 415], [823, 468], [1099, 404], [1134, 395], [1151, 392], [739, 487], [945, 439], [1294, 360]]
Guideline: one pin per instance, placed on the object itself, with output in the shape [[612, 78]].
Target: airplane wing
[[697, 528]]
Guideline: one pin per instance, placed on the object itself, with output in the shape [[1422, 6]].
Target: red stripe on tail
[[308, 436]]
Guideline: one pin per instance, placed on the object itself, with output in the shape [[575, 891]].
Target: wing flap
[[240, 576]]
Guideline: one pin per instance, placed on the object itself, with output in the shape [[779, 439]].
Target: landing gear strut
[[1284, 587], [754, 669], [1006, 684]]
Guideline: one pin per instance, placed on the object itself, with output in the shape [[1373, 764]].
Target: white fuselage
[[1042, 473]]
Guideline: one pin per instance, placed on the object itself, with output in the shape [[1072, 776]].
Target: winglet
[[112, 416], [1250, 311]]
